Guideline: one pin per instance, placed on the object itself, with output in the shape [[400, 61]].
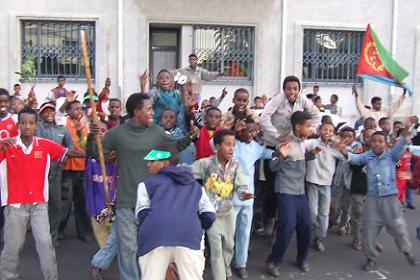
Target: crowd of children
[[185, 176]]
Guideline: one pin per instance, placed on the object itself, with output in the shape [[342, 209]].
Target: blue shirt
[[248, 154], [380, 169], [163, 100]]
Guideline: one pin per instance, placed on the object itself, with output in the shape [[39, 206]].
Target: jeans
[[16, 220], [293, 215], [340, 205], [127, 244], [104, 257], [73, 190], [54, 200], [319, 203], [409, 196], [243, 221]]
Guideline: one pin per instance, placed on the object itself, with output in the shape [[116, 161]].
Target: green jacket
[[132, 143]]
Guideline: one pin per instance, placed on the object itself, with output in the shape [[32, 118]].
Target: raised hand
[[240, 125], [224, 92], [316, 150], [354, 90], [143, 80], [7, 143], [194, 131], [71, 96]]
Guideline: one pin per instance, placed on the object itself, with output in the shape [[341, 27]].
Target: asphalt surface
[[339, 262]]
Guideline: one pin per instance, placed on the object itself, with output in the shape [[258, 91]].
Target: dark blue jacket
[[172, 209]]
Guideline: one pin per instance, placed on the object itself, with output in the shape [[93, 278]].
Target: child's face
[[377, 144], [145, 113], [291, 90], [17, 105], [168, 119], [75, 111], [205, 103], [241, 101], [303, 130], [318, 103], [250, 132], [27, 125], [226, 148], [4, 104], [326, 132], [396, 127], [367, 136], [333, 99], [48, 115], [259, 104], [347, 137], [370, 124], [213, 118], [17, 89], [114, 108], [165, 81], [154, 166], [103, 131], [386, 126]]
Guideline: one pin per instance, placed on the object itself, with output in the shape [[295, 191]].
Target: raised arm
[[359, 104], [390, 111]]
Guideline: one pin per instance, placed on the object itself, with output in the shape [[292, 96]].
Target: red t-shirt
[[203, 146], [8, 127], [24, 171]]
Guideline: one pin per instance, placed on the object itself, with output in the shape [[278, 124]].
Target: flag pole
[[92, 103]]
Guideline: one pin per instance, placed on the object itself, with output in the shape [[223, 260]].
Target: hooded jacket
[[172, 210]]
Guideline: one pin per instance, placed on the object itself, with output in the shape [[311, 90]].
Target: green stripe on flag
[[390, 64]]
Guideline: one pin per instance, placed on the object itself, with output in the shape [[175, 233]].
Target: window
[[331, 56], [55, 47], [226, 49]]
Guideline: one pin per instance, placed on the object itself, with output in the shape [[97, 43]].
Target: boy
[[333, 107], [114, 117], [212, 125], [172, 210], [340, 196], [292, 204], [222, 175], [319, 176], [16, 104], [168, 121], [25, 197], [358, 194], [382, 208], [164, 96], [240, 111], [386, 127], [247, 151]]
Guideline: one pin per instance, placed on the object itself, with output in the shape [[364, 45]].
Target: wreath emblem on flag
[[372, 57]]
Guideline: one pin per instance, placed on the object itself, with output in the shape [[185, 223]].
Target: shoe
[[411, 259], [318, 245], [61, 236], [370, 265], [229, 278], [242, 272], [85, 238], [272, 269], [411, 206], [95, 273], [356, 245], [379, 247], [304, 266], [342, 231]]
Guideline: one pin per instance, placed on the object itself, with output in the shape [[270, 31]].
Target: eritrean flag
[[377, 64]]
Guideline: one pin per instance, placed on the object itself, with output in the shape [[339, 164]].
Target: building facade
[[255, 43]]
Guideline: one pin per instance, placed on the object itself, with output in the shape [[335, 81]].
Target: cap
[[46, 105], [86, 97], [157, 155]]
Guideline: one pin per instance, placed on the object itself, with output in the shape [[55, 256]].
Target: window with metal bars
[[55, 47], [331, 56], [226, 49]]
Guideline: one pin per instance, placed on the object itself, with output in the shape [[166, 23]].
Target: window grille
[[55, 47], [331, 56], [226, 49]]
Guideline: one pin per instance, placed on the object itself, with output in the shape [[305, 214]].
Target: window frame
[[351, 57], [52, 75], [249, 79]]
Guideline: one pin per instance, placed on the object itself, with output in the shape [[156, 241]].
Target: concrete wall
[[104, 13], [264, 15]]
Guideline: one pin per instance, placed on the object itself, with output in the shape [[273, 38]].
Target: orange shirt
[[77, 164]]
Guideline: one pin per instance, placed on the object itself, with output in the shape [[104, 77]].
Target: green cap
[[157, 155]]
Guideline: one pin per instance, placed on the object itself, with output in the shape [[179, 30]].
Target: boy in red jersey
[[25, 197]]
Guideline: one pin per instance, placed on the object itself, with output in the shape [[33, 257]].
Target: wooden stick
[[86, 64]]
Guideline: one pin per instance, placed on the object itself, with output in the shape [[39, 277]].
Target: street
[[339, 262]]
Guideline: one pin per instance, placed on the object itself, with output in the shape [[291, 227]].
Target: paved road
[[339, 262]]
